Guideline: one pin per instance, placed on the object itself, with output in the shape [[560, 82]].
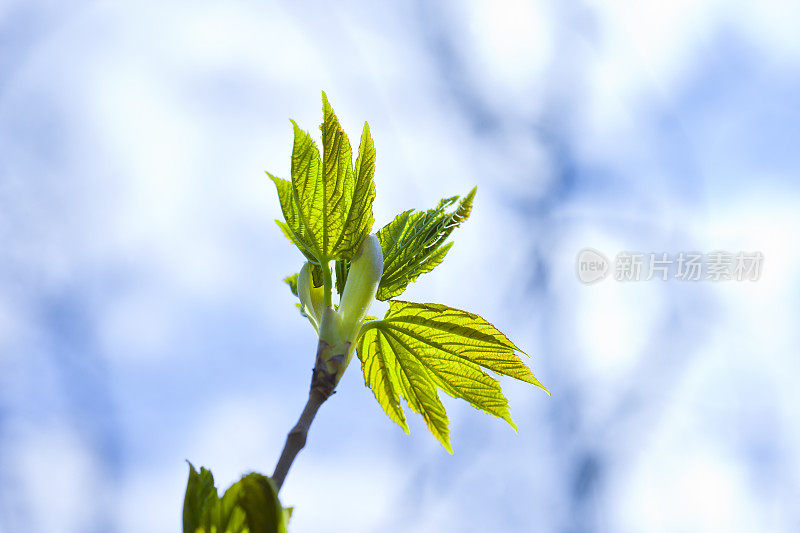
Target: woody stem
[[296, 439]]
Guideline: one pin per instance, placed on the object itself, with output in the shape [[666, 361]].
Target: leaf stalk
[[327, 283]]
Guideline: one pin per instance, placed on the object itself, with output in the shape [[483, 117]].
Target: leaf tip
[[511, 423], [536, 383], [327, 110]]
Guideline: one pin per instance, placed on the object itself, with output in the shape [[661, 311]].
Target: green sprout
[[413, 352]]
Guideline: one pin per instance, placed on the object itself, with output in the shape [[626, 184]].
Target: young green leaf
[[393, 372], [201, 494], [327, 206], [291, 281], [342, 268], [379, 365], [351, 214], [228, 515], [250, 505], [412, 243], [464, 334], [258, 498], [293, 228], [444, 347]]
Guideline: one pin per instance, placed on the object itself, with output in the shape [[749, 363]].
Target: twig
[[297, 436]]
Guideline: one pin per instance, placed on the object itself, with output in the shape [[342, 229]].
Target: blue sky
[[143, 321]]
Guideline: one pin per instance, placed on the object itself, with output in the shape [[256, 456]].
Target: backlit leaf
[[419, 348], [327, 205], [412, 243], [467, 335], [351, 210], [379, 364], [293, 228]]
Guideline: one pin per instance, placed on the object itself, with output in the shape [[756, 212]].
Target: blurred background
[[143, 321]]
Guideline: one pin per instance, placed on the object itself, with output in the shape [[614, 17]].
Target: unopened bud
[[362, 284]]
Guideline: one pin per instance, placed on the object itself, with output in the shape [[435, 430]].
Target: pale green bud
[[362, 284]]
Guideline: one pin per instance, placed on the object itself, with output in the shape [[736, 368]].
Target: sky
[[144, 323]]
